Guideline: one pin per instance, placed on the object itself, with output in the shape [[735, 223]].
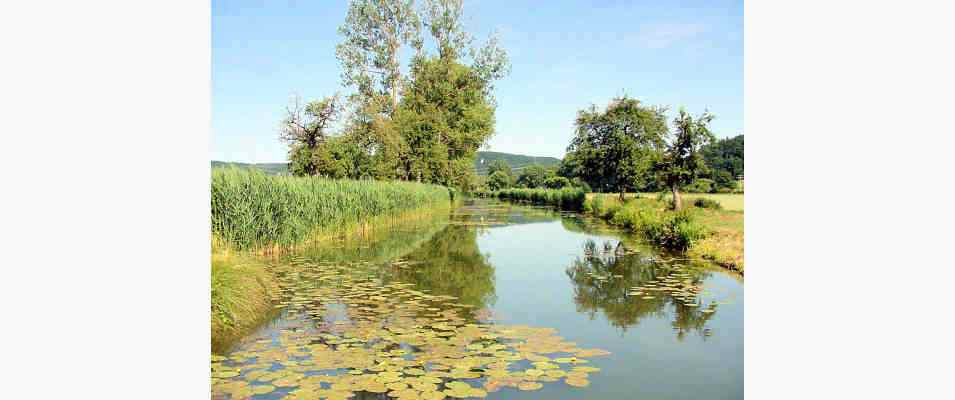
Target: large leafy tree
[[426, 124], [305, 128], [683, 161], [443, 119], [375, 32], [616, 149]]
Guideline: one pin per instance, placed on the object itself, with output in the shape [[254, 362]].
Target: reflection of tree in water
[[604, 275], [451, 264]]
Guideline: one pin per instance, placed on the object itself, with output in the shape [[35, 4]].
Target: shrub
[[557, 182], [701, 185], [566, 199], [702, 202]]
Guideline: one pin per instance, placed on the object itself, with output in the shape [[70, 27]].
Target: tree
[[304, 129], [498, 180], [375, 31], [724, 158], [443, 119], [534, 176], [616, 149], [499, 165], [683, 161]]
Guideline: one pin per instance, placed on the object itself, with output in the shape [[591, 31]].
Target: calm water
[[518, 265]]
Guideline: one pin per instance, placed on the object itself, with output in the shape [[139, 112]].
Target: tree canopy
[[683, 160], [426, 124], [614, 150]]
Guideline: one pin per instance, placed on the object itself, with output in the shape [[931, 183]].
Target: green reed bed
[[565, 199], [251, 210]]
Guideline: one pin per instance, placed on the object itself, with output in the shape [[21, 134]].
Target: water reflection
[[628, 286], [451, 264]]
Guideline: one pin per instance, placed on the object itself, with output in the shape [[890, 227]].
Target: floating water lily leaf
[[577, 381], [262, 389], [529, 385]]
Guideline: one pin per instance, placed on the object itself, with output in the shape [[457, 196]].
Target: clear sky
[[565, 55]]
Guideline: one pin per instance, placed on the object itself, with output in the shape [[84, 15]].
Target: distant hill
[[516, 161], [481, 162]]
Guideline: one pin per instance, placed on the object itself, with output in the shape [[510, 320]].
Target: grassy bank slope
[[243, 290], [712, 234]]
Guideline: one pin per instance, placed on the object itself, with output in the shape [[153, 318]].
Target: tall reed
[[252, 210]]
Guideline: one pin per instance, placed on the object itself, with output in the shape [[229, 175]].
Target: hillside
[[516, 161]]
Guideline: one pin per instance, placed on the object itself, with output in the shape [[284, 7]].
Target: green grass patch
[[243, 290], [252, 210]]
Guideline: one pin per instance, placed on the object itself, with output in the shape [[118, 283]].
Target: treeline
[[424, 126], [630, 147]]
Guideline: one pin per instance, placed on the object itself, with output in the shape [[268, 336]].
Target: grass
[[252, 210], [243, 289], [710, 234], [566, 199]]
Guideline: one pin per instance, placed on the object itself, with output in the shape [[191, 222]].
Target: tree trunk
[[622, 198], [677, 200]]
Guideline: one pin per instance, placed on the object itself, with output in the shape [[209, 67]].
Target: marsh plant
[[252, 210]]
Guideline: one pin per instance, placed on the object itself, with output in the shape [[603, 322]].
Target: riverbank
[[256, 217], [708, 233]]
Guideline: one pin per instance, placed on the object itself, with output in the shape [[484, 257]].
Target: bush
[[566, 199], [701, 185], [670, 230], [703, 202], [557, 182]]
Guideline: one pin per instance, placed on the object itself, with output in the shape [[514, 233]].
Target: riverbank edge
[[246, 280], [722, 243]]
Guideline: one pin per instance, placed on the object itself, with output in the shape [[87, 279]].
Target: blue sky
[[565, 55]]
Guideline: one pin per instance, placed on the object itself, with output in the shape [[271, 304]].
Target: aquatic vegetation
[[356, 333], [251, 210]]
